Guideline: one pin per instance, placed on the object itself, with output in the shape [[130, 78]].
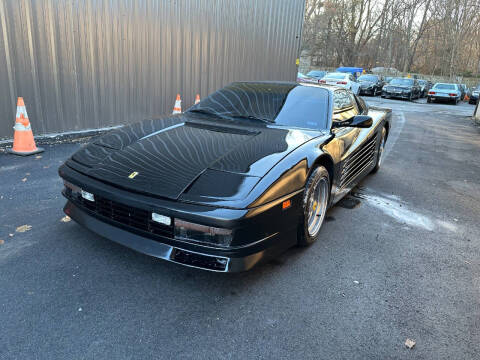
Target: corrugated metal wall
[[82, 64]]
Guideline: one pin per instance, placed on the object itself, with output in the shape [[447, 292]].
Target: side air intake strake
[[358, 162]]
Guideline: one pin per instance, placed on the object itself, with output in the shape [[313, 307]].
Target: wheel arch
[[387, 128], [326, 161]]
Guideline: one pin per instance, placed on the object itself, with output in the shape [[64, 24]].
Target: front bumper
[[367, 91], [233, 262], [394, 94], [260, 236]]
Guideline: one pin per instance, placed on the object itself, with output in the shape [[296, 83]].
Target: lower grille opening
[[122, 214], [199, 260]]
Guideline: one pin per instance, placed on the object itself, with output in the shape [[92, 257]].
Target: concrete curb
[[69, 136]]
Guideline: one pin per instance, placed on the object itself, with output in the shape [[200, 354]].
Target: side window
[[344, 105], [351, 78]]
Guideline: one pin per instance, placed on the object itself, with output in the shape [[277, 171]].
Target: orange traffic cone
[[197, 99], [177, 109], [23, 142]]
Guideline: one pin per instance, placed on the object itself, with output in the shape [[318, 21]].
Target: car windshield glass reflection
[[368, 78], [318, 74], [444, 87], [336, 76], [402, 82], [284, 104]]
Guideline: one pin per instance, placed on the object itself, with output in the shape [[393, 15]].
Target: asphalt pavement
[[397, 259]]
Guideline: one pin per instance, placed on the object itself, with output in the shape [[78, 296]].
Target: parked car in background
[[445, 92], [355, 71], [387, 79], [370, 84], [316, 74], [403, 88], [463, 91], [474, 96], [345, 80], [301, 77], [424, 87]]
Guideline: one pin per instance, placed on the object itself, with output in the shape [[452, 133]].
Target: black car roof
[[293, 83]]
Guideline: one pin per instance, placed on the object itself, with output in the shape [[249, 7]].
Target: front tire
[[381, 151], [314, 207]]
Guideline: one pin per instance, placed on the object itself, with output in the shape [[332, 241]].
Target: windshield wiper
[[205, 112], [251, 117], [201, 111]]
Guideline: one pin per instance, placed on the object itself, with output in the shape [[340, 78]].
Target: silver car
[[445, 92]]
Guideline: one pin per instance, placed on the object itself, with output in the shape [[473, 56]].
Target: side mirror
[[358, 121]]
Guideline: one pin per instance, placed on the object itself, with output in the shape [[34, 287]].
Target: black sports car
[[403, 88], [236, 179]]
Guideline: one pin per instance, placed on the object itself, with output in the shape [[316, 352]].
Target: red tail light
[[431, 93], [322, 81], [452, 94], [342, 82]]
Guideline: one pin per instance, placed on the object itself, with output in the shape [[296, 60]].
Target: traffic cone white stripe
[[22, 110]]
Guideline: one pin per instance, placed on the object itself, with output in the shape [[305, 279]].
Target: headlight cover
[[185, 230]]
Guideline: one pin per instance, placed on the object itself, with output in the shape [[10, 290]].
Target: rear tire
[[381, 151], [429, 100], [314, 207]]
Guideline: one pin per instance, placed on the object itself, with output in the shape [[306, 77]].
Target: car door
[[352, 148], [344, 108]]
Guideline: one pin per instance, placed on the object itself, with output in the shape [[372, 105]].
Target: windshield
[[283, 104], [316, 73], [336, 76], [402, 82], [371, 78], [444, 86]]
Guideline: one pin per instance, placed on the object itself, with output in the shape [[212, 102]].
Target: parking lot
[[398, 259]]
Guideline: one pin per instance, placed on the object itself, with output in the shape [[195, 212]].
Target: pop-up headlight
[[200, 233]]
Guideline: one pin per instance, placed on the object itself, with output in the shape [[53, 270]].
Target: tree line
[[437, 37]]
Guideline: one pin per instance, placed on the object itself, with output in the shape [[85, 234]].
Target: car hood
[[170, 156]]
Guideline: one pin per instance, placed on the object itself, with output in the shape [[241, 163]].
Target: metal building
[[84, 64]]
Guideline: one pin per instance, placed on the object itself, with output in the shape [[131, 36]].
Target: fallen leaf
[[10, 234], [46, 166], [24, 179], [2, 242], [23, 228], [38, 157], [410, 343], [356, 282], [66, 218], [27, 174]]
